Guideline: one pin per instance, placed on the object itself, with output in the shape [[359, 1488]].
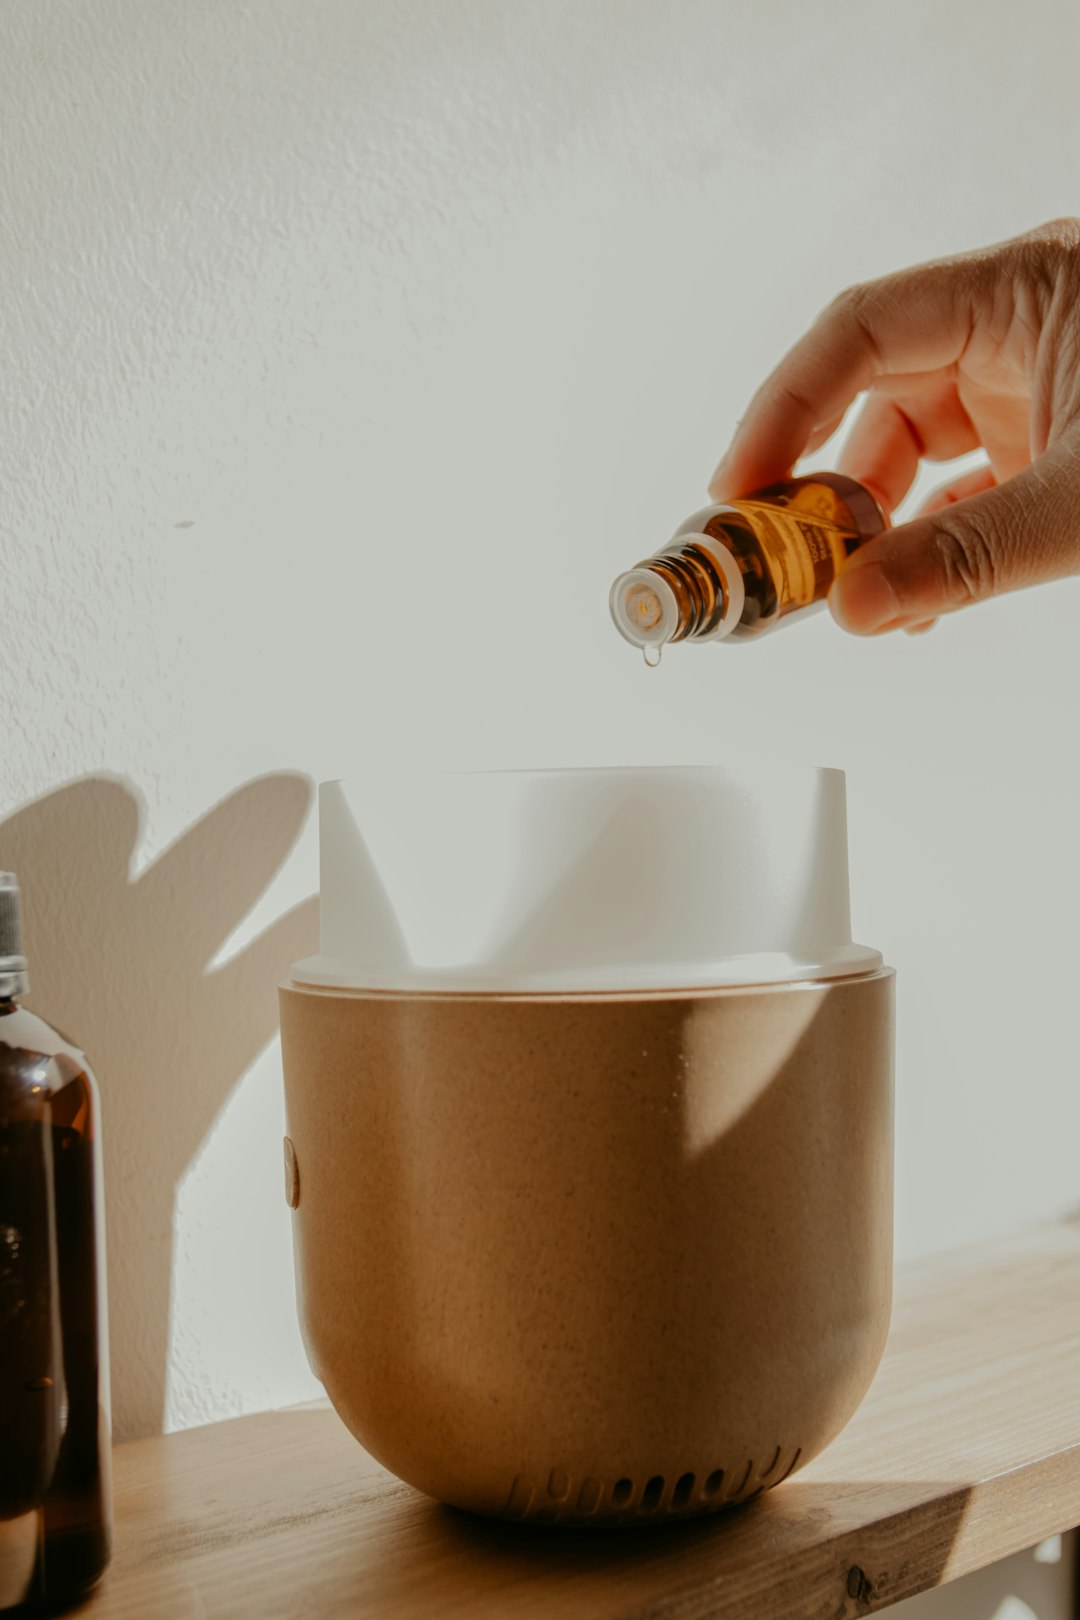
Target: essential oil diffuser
[[590, 1135]]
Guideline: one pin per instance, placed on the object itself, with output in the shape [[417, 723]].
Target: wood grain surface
[[966, 1449]]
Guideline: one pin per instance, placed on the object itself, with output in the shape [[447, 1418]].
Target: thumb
[[1023, 532]]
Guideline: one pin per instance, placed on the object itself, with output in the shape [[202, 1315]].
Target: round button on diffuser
[[292, 1175]]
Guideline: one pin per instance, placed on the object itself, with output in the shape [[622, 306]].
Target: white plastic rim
[[584, 881]]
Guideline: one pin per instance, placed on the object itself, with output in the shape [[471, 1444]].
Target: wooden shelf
[[967, 1449]]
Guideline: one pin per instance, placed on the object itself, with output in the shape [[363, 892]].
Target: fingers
[[959, 489], [893, 433], [1019, 533], [1002, 419], [915, 321], [823, 433]]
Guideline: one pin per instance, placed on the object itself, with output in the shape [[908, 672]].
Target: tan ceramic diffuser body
[[590, 1136]]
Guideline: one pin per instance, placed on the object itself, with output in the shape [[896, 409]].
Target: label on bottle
[[805, 552]]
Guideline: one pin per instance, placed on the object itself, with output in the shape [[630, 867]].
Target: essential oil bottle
[[739, 569], [55, 1512]]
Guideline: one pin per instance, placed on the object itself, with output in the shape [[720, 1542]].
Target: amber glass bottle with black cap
[[54, 1402]]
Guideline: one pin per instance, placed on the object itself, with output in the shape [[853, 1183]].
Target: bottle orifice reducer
[[740, 568]]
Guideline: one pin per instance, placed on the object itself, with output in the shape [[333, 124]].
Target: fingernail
[[863, 600], [722, 468]]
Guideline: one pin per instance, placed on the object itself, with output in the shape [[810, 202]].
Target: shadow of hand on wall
[[122, 964]]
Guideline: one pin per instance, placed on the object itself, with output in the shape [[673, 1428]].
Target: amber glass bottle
[[54, 1403], [742, 568]]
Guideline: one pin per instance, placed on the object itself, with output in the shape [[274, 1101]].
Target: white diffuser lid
[[593, 880]]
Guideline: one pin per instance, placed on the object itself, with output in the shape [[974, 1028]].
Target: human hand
[[980, 351]]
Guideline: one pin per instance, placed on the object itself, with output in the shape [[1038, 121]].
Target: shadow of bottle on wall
[[121, 961]]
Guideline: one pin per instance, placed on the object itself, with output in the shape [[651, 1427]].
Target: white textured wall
[[348, 349]]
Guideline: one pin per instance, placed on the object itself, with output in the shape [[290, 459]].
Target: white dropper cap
[[644, 608]]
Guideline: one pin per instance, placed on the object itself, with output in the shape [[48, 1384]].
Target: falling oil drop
[[652, 656]]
